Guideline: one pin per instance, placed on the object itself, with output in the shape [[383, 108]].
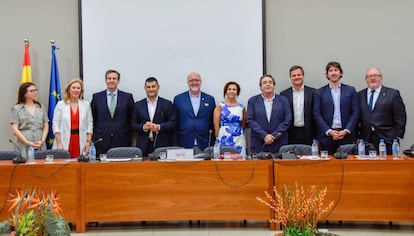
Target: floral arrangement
[[35, 212], [298, 211]]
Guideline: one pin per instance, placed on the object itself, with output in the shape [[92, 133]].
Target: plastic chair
[[57, 153], [208, 151], [156, 154], [9, 155], [124, 152], [298, 149]]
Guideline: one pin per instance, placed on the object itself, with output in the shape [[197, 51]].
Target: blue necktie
[[371, 100]]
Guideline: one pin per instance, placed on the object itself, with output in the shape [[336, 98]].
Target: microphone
[[98, 141], [209, 137], [84, 158], [155, 140], [19, 159]]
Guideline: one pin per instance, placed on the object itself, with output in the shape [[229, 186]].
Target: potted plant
[[35, 212], [296, 210]]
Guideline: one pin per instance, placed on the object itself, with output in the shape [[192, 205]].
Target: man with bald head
[[383, 113], [195, 115]]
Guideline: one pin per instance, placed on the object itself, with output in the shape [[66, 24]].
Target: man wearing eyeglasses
[[383, 113], [195, 116]]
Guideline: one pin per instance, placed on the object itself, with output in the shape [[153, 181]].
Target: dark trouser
[[150, 147], [374, 138], [332, 145], [298, 135]]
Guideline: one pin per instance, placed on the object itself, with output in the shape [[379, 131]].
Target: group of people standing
[[335, 114]]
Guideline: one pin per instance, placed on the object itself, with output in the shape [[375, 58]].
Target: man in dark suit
[[153, 119], [195, 116], [383, 113], [335, 110], [269, 117], [302, 130], [111, 110]]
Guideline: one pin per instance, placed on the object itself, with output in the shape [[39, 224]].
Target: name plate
[[180, 154]]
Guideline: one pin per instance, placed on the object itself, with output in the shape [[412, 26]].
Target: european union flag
[[54, 95]]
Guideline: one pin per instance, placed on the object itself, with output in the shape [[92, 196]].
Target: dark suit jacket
[[280, 120], [388, 117], [191, 126], [164, 116], [323, 110], [116, 131], [310, 128]]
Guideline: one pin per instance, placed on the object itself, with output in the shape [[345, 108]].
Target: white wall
[[358, 34]]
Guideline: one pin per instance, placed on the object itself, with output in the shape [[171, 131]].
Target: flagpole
[[26, 70], [54, 93]]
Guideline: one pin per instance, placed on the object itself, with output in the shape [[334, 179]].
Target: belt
[[74, 131], [337, 129]]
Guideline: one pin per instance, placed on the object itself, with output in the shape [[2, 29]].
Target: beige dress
[[30, 125]]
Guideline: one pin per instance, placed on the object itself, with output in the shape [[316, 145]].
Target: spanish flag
[[27, 69]]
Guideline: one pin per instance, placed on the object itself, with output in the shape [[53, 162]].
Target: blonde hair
[[66, 97]]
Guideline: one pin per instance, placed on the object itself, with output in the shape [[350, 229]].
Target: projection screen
[[167, 39]]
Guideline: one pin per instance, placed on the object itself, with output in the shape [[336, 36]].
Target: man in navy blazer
[[336, 111], [113, 127], [153, 119], [383, 116], [302, 129], [269, 117], [195, 116]]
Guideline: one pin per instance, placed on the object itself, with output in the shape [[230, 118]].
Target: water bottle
[[30, 154], [92, 153], [382, 149], [361, 148], [395, 149], [216, 150], [315, 149]]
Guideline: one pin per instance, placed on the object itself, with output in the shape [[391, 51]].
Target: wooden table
[[61, 176], [364, 190], [152, 191]]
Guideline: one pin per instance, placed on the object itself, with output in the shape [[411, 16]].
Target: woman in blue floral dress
[[230, 119]]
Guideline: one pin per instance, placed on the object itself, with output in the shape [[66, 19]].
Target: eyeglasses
[[33, 90], [374, 76], [194, 81]]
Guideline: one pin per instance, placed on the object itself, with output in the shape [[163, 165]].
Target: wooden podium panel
[[60, 176], [206, 190], [363, 190]]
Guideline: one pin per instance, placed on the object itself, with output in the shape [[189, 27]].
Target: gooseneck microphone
[[84, 158], [155, 140], [19, 159], [209, 137]]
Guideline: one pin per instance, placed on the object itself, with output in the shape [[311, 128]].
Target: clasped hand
[[151, 126], [337, 135]]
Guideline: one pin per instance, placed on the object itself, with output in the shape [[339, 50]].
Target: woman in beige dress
[[29, 121]]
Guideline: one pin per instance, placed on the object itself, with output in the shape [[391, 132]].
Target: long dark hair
[[21, 99]]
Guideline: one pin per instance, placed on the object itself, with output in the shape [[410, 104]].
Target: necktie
[[371, 100], [112, 105]]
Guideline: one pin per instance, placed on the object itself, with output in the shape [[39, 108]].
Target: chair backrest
[[9, 155], [57, 154], [298, 149], [352, 149], [156, 154], [348, 148], [223, 149], [124, 152]]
